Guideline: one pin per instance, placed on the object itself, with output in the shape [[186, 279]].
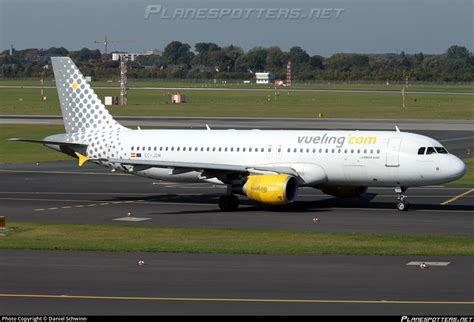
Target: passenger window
[[138, 148], [132, 148], [149, 148], [166, 148], [301, 150], [430, 150], [250, 149], [172, 148], [441, 150], [307, 150], [213, 149], [421, 151], [161, 148], [238, 149], [220, 149], [154, 149], [262, 150], [177, 149], [289, 150], [332, 151], [294, 150], [243, 149], [208, 149], [231, 149]]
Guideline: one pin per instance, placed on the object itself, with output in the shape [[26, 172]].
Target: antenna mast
[[123, 78]]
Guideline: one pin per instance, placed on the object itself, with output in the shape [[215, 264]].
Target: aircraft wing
[[191, 166]]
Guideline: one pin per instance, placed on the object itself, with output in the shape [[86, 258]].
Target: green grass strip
[[14, 152], [51, 236]]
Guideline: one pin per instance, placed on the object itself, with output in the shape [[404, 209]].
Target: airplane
[[266, 166]]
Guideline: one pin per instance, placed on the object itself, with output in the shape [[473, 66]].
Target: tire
[[228, 202], [402, 206]]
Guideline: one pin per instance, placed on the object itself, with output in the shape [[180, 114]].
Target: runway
[[271, 89], [94, 283], [62, 192]]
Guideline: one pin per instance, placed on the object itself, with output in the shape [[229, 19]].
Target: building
[[263, 78]]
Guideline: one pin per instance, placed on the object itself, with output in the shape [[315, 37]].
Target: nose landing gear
[[402, 203]]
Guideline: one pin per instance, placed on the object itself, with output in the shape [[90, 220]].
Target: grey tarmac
[[64, 193], [95, 283]]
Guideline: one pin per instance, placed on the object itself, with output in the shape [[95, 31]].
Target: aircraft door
[[393, 152]]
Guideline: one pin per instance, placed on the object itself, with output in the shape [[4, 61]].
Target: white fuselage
[[365, 158]]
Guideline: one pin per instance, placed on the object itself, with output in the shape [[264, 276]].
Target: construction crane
[[106, 42]]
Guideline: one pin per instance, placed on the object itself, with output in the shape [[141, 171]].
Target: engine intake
[[344, 191], [271, 189]]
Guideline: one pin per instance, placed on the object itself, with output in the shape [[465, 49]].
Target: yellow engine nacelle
[[271, 189]]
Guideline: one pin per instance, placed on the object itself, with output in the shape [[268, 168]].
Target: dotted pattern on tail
[[86, 119]]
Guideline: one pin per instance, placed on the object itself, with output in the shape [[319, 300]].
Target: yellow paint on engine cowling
[[268, 189]]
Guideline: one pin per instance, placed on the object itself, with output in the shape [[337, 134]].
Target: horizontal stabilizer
[[47, 142]]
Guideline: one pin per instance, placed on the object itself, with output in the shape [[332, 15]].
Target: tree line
[[210, 61]]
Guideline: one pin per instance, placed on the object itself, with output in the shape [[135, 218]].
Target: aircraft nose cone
[[457, 168]]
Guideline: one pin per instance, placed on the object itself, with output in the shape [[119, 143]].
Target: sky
[[319, 27]]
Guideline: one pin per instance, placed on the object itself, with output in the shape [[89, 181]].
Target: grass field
[[26, 101], [12, 152], [228, 241]]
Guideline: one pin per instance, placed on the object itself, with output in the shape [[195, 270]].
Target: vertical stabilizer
[[82, 109]]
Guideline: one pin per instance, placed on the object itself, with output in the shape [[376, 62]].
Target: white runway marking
[[132, 219], [429, 263]]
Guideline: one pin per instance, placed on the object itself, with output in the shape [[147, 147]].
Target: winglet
[[207, 127], [397, 129], [82, 158]]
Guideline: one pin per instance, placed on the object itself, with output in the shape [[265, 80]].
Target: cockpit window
[[441, 150], [430, 150], [421, 150]]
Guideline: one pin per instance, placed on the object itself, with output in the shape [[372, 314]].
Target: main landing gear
[[402, 203], [229, 202]]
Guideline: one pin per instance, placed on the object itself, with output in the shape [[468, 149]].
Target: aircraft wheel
[[403, 206], [228, 202]]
